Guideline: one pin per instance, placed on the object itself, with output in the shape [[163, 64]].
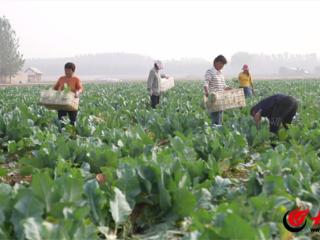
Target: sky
[[164, 29]]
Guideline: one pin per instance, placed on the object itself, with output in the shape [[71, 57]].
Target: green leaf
[[273, 185], [221, 186], [72, 189], [32, 229], [43, 187], [128, 181], [315, 188], [164, 195], [26, 206], [184, 202], [5, 201], [96, 201], [37, 229], [254, 185], [26, 170], [3, 172], [236, 227], [4, 233], [12, 147], [292, 184], [119, 207], [204, 199]]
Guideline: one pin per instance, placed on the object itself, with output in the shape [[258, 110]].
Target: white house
[[34, 75]]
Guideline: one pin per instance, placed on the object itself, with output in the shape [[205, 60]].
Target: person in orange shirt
[[75, 86]]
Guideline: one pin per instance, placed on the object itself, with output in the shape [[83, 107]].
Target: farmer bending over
[[278, 109]]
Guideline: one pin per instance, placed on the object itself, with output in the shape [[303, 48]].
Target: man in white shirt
[[214, 82]]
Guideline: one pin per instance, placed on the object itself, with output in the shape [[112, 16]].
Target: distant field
[[166, 173], [51, 82]]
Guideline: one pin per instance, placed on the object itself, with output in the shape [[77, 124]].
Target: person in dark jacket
[[279, 109], [154, 84]]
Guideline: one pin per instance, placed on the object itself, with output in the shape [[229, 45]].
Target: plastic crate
[[223, 100], [59, 100]]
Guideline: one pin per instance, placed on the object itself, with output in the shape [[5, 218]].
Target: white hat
[[159, 64]]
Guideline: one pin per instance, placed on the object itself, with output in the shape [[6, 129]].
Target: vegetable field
[[127, 171]]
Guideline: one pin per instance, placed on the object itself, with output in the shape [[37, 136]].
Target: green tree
[[11, 61]]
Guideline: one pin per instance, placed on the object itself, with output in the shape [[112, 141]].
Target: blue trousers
[[247, 92]]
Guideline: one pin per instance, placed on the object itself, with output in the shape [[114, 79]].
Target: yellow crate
[[223, 100], [59, 100]]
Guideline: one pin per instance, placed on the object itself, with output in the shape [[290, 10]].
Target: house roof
[[35, 70]]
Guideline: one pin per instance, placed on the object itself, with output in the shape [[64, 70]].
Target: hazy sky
[[164, 29]]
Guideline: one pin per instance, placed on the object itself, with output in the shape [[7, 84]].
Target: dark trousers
[[216, 118], [283, 113], [72, 115], [155, 100]]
